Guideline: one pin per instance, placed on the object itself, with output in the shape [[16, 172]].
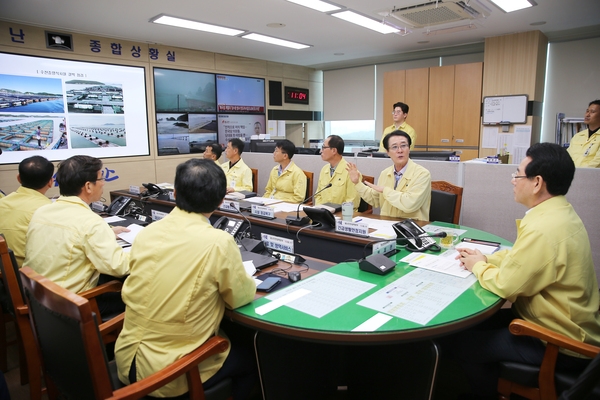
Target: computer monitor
[[432, 155], [307, 150]]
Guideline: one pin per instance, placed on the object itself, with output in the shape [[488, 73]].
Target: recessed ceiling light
[[538, 23], [275, 25], [513, 5], [318, 5], [365, 22], [272, 40], [199, 26]]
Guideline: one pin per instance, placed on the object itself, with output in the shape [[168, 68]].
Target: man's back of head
[[74, 172], [35, 172], [200, 186]]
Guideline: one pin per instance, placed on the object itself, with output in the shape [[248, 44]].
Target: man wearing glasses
[[342, 189], [70, 244], [399, 114], [404, 189], [548, 275]]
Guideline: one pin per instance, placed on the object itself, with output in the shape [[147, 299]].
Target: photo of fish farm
[[19, 133], [91, 97], [90, 131], [30, 94]]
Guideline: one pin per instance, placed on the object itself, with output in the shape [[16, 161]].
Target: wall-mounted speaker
[[275, 93]]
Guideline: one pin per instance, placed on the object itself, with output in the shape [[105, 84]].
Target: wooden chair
[[365, 207], [543, 382], [29, 362], [74, 359], [309, 186], [446, 202], [254, 179]]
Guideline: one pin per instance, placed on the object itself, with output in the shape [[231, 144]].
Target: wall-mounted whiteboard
[[505, 109]]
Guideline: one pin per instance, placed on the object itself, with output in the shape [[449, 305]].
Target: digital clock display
[[296, 95]]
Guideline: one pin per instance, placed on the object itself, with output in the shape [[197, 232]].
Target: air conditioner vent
[[432, 13]]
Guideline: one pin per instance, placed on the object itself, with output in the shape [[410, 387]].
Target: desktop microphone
[[249, 244], [304, 220]]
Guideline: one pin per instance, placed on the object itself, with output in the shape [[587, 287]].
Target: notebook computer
[[260, 261]]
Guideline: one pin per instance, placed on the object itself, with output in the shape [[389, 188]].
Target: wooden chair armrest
[[108, 287], [22, 310], [522, 327], [212, 346], [110, 329]]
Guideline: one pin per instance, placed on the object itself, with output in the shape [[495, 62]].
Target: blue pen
[[358, 220]]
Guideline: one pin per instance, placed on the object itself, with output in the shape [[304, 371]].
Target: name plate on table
[[229, 205], [158, 215], [262, 212], [384, 247], [278, 243], [134, 189], [351, 228], [454, 158]]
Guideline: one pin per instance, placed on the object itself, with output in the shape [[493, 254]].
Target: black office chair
[[446, 202], [587, 385]]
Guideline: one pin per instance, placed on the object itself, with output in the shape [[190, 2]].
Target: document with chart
[[418, 296]]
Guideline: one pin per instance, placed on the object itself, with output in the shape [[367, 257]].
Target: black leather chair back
[[442, 206]]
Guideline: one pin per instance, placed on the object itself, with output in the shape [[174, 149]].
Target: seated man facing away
[[213, 152], [404, 189], [286, 182], [336, 173], [16, 209], [70, 244], [184, 273], [584, 147], [239, 175], [548, 275]]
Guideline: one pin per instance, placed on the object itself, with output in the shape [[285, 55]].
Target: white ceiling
[[128, 20]]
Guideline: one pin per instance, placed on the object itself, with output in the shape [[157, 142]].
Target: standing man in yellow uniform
[[402, 190], [178, 290], [342, 189], [239, 175], [16, 209], [287, 181], [399, 114], [585, 146]]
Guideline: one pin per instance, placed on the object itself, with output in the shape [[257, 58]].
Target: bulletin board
[[505, 109]]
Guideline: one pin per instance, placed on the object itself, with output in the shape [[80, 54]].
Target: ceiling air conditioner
[[434, 13]]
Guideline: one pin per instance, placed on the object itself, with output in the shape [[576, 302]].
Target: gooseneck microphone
[[249, 244], [304, 220]]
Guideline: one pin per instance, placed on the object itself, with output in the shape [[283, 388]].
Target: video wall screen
[[59, 108], [194, 109]]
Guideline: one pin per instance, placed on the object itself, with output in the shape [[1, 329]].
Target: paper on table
[[485, 249], [446, 264], [372, 323], [114, 218], [285, 207], [129, 237], [249, 267], [262, 200], [382, 228], [265, 308]]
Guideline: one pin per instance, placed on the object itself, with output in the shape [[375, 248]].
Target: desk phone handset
[[229, 225], [119, 206], [152, 189], [417, 241]]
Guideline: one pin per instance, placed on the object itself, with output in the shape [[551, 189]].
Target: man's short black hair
[[74, 172], [554, 164], [200, 185], [596, 102], [237, 144], [216, 149], [337, 143], [403, 107], [35, 172], [387, 138], [287, 147]]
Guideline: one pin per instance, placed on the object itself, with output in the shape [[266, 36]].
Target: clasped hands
[[469, 257], [354, 175]]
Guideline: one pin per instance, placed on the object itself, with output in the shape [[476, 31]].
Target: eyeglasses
[[515, 176], [325, 147], [397, 112], [396, 147]]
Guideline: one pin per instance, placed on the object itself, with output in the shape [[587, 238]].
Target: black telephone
[[229, 225], [416, 242], [118, 206], [152, 189]]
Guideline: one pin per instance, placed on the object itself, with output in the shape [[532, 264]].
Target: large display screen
[[241, 126], [59, 108], [237, 94]]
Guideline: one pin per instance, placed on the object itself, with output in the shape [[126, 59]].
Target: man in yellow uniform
[[584, 147], [402, 190], [213, 152], [287, 181], [548, 275], [342, 189], [70, 244], [178, 289], [239, 175], [16, 209], [399, 114]]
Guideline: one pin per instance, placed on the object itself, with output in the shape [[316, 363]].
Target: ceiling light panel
[[318, 5], [513, 5], [276, 41], [199, 26], [365, 22]]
